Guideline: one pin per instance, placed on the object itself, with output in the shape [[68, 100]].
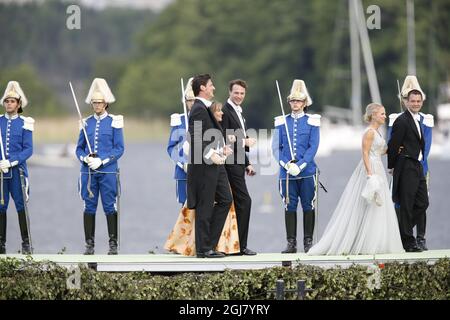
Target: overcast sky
[[151, 4]]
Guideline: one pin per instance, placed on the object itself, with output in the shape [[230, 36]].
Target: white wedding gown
[[360, 227]]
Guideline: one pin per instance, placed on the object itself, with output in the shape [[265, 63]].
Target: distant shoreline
[[66, 129]]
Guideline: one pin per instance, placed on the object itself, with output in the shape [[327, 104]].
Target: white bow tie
[[239, 109]]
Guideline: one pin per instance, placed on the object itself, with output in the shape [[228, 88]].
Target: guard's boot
[[421, 226], [112, 232], [89, 232], [2, 232], [308, 229], [26, 247], [290, 218]]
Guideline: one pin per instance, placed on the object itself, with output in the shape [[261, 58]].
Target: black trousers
[[211, 212], [413, 195], [242, 200]]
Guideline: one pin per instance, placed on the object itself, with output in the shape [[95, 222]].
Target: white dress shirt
[[416, 118], [206, 102], [238, 110]]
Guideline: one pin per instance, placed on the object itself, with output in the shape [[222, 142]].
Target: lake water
[[149, 207]]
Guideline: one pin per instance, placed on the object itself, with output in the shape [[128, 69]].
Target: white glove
[[372, 190], [292, 169], [94, 163], [185, 165], [186, 148], [86, 159], [5, 165]]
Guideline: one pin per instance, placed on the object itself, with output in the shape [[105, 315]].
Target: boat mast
[[411, 37], [355, 67], [367, 51]]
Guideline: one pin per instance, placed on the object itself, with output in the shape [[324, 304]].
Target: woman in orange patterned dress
[[182, 238]]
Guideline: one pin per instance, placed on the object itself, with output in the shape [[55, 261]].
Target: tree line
[[143, 54]]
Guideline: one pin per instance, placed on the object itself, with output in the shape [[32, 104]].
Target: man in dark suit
[[208, 190], [233, 124], [406, 149], [426, 124]]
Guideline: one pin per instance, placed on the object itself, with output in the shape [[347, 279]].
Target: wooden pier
[[179, 263]]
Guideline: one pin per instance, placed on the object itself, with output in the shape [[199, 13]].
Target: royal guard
[[426, 124], [176, 142], [16, 144], [295, 143], [100, 145]]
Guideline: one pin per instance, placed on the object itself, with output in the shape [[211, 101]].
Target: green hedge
[[26, 279]]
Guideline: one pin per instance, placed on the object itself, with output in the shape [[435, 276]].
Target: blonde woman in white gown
[[364, 221]]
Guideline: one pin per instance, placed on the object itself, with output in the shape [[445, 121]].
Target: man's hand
[[216, 159], [185, 165], [94, 163], [391, 172], [227, 150], [250, 171], [249, 142], [231, 138]]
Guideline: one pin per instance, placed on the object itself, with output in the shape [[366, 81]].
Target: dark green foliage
[[31, 280], [264, 40], [35, 36], [143, 55], [41, 99]]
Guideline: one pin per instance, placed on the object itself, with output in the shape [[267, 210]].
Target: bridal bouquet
[[372, 190]]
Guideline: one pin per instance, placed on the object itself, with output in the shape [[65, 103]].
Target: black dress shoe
[[210, 254], [247, 252], [421, 243], [413, 249]]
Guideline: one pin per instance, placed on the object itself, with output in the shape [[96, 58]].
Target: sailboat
[[342, 128], [59, 156]]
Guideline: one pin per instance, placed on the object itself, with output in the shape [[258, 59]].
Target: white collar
[[206, 102], [7, 116], [415, 116], [235, 107], [297, 115], [103, 116]]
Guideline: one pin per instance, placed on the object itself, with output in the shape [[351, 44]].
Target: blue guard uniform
[[298, 184], [17, 148], [178, 147], [105, 134], [175, 150], [304, 135]]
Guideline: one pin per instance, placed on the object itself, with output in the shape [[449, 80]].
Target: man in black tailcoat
[[233, 124], [406, 149], [208, 190]]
